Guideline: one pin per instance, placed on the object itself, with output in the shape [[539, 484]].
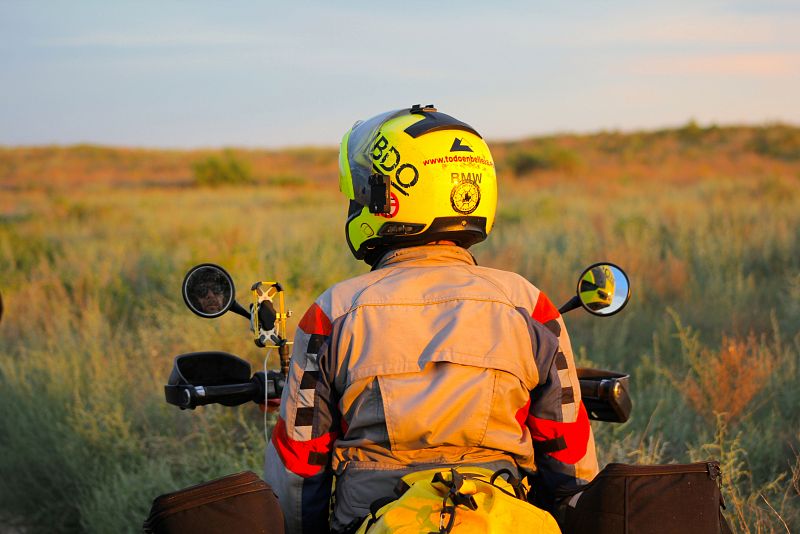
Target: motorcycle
[[202, 378], [214, 377]]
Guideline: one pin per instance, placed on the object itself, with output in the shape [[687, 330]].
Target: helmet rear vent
[[400, 229]]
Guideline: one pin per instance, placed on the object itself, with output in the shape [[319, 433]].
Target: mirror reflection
[[208, 290], [603, 289]]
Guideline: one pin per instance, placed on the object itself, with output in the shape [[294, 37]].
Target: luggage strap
[[454, 486], [453, 481]]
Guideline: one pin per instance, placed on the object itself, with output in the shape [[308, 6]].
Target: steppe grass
[[90, 280]]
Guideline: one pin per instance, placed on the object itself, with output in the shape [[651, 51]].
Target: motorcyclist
[[429, 359], [597, 287], [208, 291]]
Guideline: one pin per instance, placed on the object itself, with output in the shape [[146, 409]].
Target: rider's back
[[432, 361]]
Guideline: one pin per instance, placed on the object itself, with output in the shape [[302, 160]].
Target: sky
[[275, 74]]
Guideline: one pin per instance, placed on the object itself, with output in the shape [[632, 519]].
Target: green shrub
[[286, 180], [691, 132], [777, 141], [225, 170], [546, 157], [625, 145]]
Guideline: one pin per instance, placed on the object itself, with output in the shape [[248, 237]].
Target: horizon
[[202, 75], [591, 133]]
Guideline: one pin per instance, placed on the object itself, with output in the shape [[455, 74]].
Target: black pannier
[[241, 503], [647, 499]]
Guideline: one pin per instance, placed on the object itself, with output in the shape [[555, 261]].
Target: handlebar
[[604, 393], [189, 396]]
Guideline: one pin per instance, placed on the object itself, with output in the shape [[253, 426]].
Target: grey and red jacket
[[427, 360]]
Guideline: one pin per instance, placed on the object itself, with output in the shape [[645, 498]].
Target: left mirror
[[208, 290]]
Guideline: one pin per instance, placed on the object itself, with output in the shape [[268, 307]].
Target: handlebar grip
[[188, 396], [228, 394], [605, 396]]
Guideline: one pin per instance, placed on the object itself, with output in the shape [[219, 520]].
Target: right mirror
[[603, 289]]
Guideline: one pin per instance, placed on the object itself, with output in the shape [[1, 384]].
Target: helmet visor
[[361, 145]]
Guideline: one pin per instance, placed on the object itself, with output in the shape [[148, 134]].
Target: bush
[[546, 157], [777, 141], [225, 170], [691, 132], [286, 180]]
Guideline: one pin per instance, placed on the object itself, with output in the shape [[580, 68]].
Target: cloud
[[745, 64], [703, 28], [158, 40], [695, 24]]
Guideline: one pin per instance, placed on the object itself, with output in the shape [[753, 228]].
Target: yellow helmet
[[414, 176], [597, 287]]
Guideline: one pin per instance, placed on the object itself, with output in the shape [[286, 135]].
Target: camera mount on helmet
[[379, 199]]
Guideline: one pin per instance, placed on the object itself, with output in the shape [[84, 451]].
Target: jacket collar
[[425, 256]]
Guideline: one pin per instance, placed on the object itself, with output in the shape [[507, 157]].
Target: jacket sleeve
[[297, 463], [559, 425]]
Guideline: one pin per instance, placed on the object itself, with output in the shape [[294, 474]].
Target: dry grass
[[88, 166], [796, 474], [682, 156], [752, 507], [94, 243], [726, 381]]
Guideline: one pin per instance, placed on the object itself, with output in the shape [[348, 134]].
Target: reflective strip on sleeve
[[575, 436], [302, 458], [315, 321], [544, 311]]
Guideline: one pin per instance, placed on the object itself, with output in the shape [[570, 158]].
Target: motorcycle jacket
[[428, 360]]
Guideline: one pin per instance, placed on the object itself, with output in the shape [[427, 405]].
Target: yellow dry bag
[[458, 500]]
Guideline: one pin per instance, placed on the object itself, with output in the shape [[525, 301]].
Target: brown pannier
[[241, 503], [648, 499]]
